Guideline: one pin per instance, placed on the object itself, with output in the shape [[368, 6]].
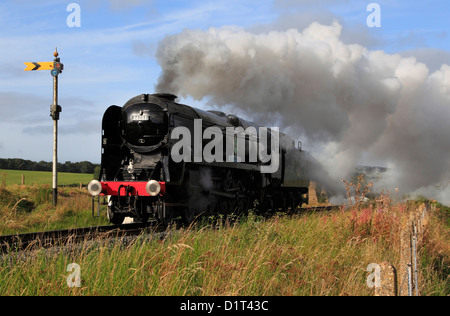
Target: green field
[[43, 177]]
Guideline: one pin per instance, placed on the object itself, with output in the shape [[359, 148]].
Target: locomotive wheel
[[141, 218], [243, 205], [167, 219], [113, 216], [243, 199], [189, 215], [162, 213], [142, 214], [236, 184]]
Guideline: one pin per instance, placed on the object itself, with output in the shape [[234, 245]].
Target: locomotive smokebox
[[144, 126]]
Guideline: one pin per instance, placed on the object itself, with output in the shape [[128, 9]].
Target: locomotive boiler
[[166, 160]]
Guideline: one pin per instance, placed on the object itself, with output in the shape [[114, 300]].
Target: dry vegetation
[[29, 208], [307, 254]]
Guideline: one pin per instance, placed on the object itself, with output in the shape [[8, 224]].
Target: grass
[[281, 256], [29, 209], [307, 254], [11, 177]]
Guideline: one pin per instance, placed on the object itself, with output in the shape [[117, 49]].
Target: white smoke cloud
[[344, 100]]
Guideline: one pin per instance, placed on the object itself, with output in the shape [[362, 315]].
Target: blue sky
[[110, 57]]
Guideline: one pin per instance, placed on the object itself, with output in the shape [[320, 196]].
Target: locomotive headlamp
[[153, 187], [95, 187]]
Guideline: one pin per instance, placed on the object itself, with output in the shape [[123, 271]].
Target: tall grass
[[310, 254], [307, 254], [29, 208]]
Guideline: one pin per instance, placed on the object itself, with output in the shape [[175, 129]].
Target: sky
[[110, 56]]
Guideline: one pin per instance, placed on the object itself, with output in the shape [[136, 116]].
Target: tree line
[[68, 166]]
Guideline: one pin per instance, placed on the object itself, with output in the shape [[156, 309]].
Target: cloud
[[345, 100], [31, 111], [26, 128], [434, 58], [140, 48], [116, 5], [300, 20], [85, 127], [302, 3], [21, 107], [122, 5]]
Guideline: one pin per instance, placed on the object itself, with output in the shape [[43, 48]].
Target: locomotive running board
[[128, 188]]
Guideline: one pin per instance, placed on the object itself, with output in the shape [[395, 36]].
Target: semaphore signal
[[56, 68]]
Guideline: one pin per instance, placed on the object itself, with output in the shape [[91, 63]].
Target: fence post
[[410, 283], [405, 261], [388, 286], [410, 238], [414, 251]]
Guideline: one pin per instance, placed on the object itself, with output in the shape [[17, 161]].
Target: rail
[[47, 239]]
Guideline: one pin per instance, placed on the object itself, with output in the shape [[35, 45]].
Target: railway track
[[57, 238], [64, 237], [321, 208]]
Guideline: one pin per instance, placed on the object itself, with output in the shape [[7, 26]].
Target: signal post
[[56, 68]]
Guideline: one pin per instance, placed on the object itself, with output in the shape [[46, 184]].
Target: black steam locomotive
[[164, 160]]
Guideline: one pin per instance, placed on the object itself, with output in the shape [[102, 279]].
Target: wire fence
[[405, 281]]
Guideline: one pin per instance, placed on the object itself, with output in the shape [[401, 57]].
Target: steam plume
[[345, 102]]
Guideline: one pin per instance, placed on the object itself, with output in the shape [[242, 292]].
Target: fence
[[80, 185], [404, 281]]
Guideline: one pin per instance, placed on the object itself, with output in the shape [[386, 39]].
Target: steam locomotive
[[166, 160]]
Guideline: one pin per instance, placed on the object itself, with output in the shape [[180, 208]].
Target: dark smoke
[[345, 102]]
